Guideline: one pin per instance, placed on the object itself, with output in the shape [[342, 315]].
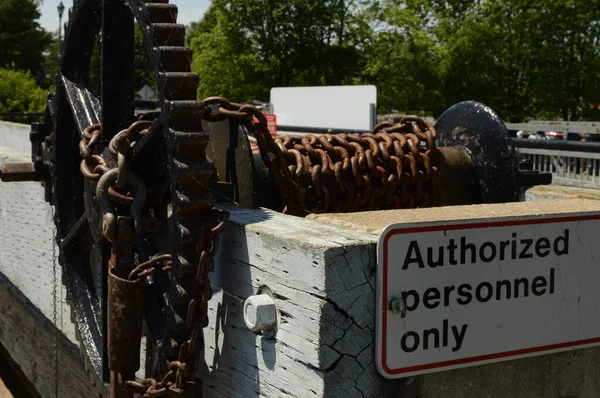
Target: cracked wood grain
[[322, 278], [29, 337]]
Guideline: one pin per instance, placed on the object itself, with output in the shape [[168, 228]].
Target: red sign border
[[454, 227]]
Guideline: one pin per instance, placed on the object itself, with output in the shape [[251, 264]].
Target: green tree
[[526, 58], [569, 76], [492, 58], [22, 40], [402, 58], [245, 47], [20, 93], [227, 66], [50, 64]]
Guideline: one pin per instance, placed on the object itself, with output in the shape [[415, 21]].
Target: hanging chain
[[392, 167], [54, 308], [183, 370]]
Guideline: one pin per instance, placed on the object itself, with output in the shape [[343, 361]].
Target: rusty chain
[[201, 292], [183, 370], [92, 166], [392, 167], [151, 266]]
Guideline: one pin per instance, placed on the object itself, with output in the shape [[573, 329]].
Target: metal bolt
[[260, 313], [397, 306]]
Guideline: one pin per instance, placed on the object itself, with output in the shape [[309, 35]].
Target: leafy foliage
[[245, 47], [22, 41], [19, 93], [524, 58]]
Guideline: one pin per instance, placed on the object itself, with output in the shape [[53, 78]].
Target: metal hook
[[108, 217]]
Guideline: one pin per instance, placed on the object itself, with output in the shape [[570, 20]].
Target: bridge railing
[[572, 163], [559, 126]]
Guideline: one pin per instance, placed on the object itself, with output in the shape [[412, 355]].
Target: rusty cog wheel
[[170, 159]]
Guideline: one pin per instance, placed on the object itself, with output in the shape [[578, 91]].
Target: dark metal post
[[61, 9], [117, 68], [117, 85], [125, 311]]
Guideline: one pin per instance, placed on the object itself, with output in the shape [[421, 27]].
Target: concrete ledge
[[15, 136], [557, 192], [375, 221]]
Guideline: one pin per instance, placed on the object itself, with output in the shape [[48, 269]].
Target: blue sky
[[189, 11]]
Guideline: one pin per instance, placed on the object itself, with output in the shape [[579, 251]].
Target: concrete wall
[[26, 281], [15, 136]]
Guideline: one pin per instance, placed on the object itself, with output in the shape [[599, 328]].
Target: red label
[[271, 124]]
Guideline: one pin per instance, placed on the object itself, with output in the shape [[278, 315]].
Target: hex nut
[[260, 313]]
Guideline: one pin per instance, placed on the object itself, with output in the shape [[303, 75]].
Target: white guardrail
[[570, 168], [563, 127]]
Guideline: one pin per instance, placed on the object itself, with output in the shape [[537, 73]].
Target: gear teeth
[[187, 115], [184, 263], [186, 147], [161, 13], [167, 34], [194, 173], [174, 59], [190, 147], [180, 296], [185, 233], [177, 86]]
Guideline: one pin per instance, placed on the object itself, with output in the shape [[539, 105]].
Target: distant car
[[553, 135]]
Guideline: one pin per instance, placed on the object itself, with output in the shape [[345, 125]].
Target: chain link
[[151, 266], [93, 166], [184, 368], [54, 308], [197, 313], [392, 167]]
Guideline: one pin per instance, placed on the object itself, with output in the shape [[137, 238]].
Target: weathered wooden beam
[[28, 337], [322, 275]]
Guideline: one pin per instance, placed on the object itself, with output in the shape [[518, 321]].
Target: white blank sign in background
[[342, 107]]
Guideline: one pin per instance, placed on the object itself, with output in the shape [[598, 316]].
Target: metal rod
[[121, 263], [558, 145], [319, 130], [26, 114]]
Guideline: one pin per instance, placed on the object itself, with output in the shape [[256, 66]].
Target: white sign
[[342, 107], [458, 294], [146, 93]]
